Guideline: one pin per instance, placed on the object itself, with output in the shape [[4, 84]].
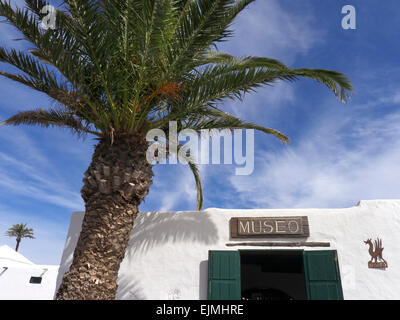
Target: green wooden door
[[322, 275], [224, 275]]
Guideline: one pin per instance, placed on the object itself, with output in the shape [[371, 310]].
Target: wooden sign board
[[263, 227]]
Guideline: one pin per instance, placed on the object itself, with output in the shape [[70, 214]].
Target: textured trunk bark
[[116, 182], [17, 246]]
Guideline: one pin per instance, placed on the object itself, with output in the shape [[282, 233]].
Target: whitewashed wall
[[14, 282], [168, 252]]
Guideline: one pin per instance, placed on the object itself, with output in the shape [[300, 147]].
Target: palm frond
[[217, 119], [334, 80], [52, 117], [235, 63], [204, 23], [219, 82], [20, 230], [199, 188], [31, 67]]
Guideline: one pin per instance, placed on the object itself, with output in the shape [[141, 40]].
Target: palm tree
[[20, 231], [118, 68]]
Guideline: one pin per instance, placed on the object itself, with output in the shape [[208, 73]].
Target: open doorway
[[272, 275]]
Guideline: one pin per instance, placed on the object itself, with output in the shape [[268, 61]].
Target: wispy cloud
[[335, 164], [173, 188], [268, 29], [26, 171]]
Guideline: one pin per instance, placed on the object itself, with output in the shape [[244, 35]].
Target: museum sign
[[249, 227]]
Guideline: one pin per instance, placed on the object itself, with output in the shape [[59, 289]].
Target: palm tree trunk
[[116, 182], [17, 246]]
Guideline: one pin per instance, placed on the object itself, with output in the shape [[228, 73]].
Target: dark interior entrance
[[272, 275]]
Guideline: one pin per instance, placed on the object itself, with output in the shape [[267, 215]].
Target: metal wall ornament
[[375, 250]]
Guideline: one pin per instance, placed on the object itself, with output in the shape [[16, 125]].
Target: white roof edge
[[9, 254], [15, 260], [361, 203]]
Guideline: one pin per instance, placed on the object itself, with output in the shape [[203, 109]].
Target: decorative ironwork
[[375, 251]]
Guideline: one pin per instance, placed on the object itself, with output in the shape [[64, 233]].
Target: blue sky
[[339, 154]]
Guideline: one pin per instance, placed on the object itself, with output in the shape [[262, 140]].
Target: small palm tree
[[20, 231], [118, 68]]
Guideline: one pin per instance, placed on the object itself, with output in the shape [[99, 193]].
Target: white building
[[260, 254], [21, 279]]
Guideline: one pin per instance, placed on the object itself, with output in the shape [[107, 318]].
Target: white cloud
[[266, 29], [266, 103], [328, 168], [174, 188], [396, 98]]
